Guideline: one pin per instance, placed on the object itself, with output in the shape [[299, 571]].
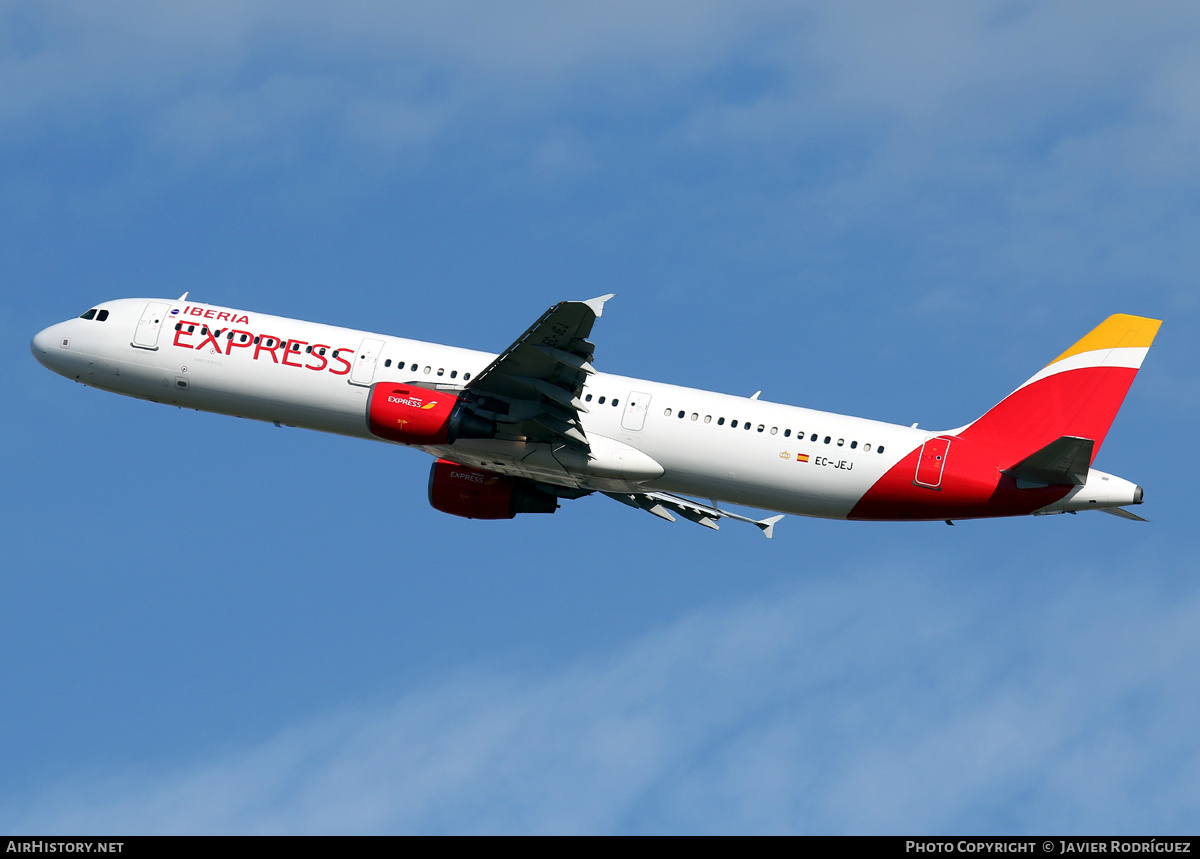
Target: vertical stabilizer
[[1077, 394]]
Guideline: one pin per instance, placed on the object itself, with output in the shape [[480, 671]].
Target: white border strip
[[1126, 356]]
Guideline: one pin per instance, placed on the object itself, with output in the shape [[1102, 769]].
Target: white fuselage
[[304, 374]]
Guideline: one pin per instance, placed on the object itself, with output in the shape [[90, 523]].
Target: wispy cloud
[[888, 701]]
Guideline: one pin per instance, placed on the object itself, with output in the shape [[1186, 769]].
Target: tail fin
[[1077, 394]]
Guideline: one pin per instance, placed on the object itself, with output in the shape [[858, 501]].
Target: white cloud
[[887, 701]]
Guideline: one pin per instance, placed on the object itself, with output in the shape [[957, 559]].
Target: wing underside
[[532, 393], [532, 390]]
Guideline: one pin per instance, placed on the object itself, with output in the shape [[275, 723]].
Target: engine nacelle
[[477, 494], [412, 415]]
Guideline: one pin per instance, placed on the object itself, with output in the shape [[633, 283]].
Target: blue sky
[[212, 625]]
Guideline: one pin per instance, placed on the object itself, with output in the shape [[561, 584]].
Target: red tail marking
[[1080, 402]]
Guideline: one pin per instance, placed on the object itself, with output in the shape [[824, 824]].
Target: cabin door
[[146, 334], [365, 359], [932, 462]]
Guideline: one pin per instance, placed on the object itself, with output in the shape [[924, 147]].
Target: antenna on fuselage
[[183, 297]]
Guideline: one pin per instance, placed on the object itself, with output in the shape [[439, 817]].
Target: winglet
[[597, 304], [768, 525]]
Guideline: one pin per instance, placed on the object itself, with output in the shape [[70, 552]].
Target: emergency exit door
[[634, 417]]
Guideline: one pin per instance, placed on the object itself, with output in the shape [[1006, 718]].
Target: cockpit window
[[91, 314], [102, 316]]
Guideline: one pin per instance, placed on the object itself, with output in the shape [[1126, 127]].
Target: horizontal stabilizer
[[659, 503], [768, 525], [1123, 513], [1063, 462]]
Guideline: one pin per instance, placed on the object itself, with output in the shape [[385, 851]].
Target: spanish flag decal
[[802, 457]]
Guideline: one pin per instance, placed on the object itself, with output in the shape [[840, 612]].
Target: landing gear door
[[636, 407], [146, 334], [365, 359]]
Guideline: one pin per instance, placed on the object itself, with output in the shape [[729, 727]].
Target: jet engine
[[412, 415], [477, 494]]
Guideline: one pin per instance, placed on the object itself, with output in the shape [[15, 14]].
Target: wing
[[532, 389]]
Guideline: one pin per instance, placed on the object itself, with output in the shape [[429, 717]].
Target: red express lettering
[[340, 359], [210, 337], [237, 338], [288, 350], [318, 352], [261, 346], [240, 339]]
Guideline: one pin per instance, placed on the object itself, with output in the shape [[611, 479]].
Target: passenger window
[[841, 441], [441, 371], [787, 433], [827, 439], [91, 314], [814, 437], [853, 445], [774, 430], [600, 401], [708, 419], [695, 416], [413, 368], [614, 402], [761, 427], [388, 362], [454, 374], [879, 449], [747, 426], [178, 325], [428, 370], [733, 424], [720, 422], [866, 448], [103, 315], [588, 398], [466, 376], [666, 413], [256, 340], [681, 414]]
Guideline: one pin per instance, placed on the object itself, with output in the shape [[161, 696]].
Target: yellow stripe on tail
[[1119, 330]]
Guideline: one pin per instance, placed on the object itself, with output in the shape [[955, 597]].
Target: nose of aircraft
[[46, 346], [40, 344]]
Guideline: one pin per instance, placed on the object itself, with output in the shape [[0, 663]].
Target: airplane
[[537, 424]]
